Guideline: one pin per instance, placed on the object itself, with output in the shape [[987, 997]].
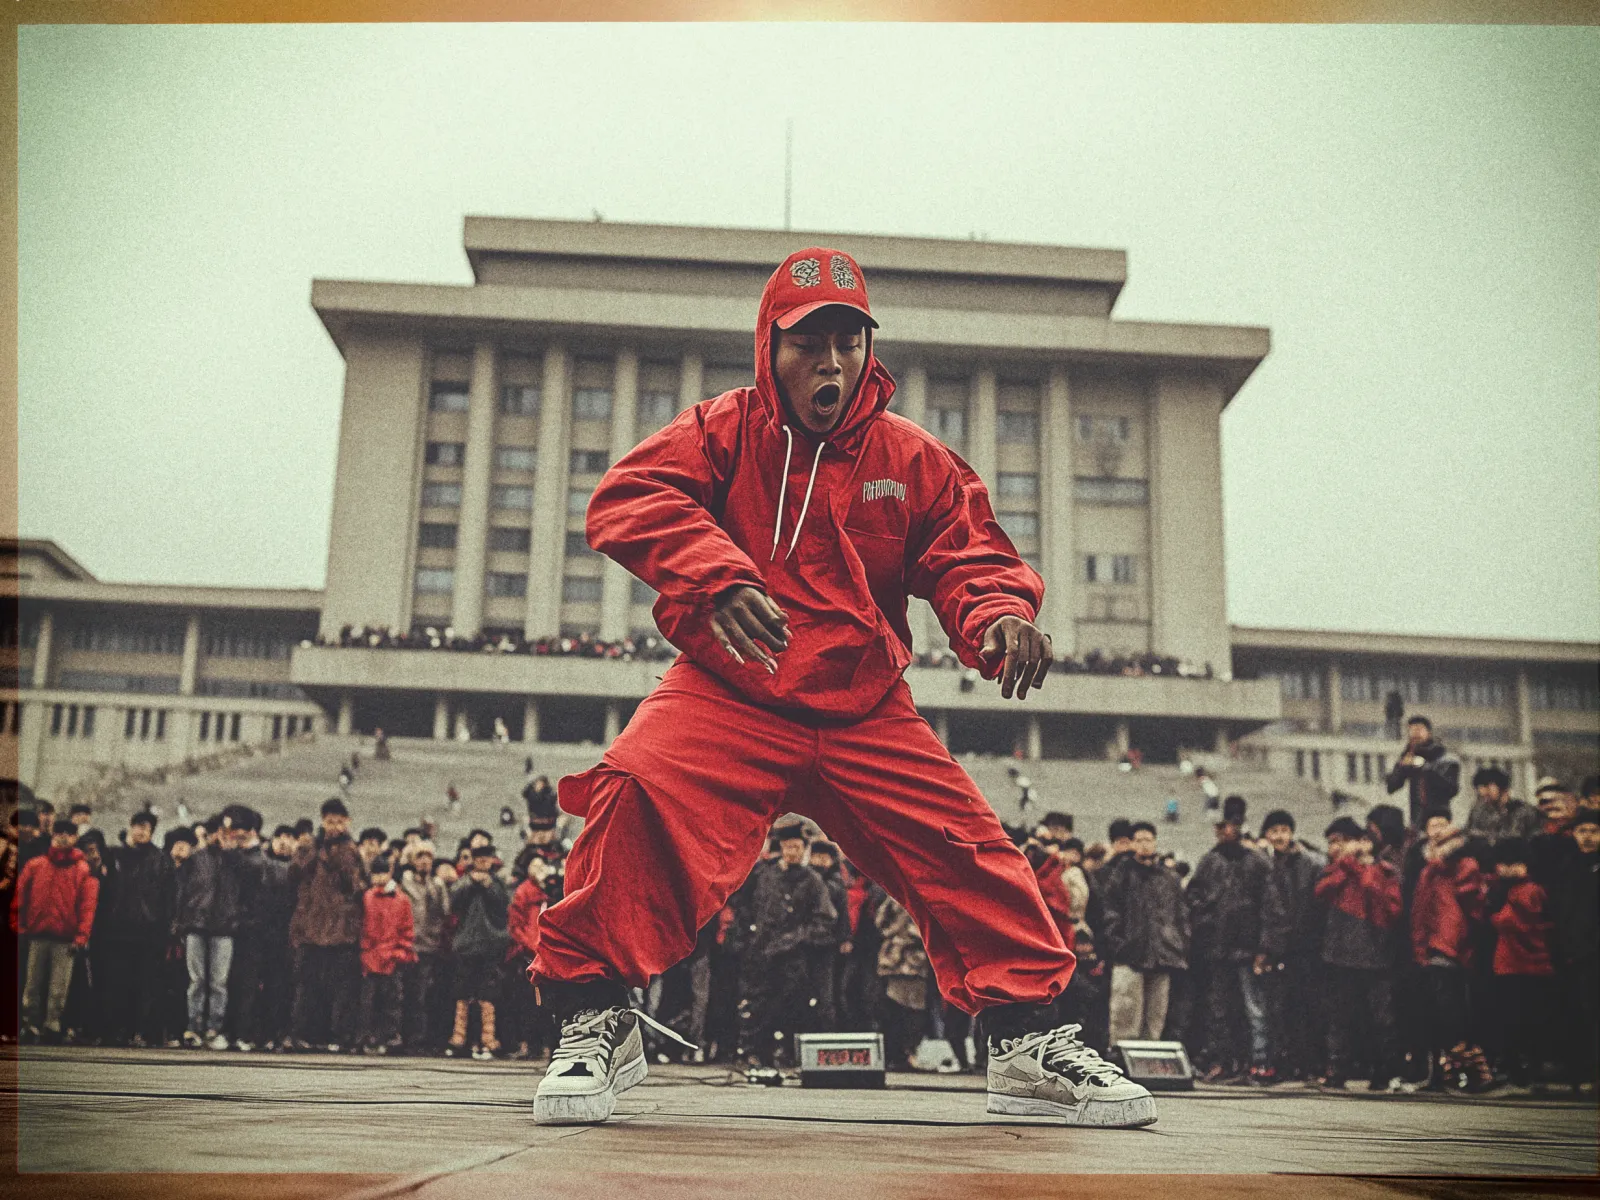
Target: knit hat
[[788, 833], [1549, 783], [1437, 810], [1233, 808], [1344, 827], [821, 847], [334, 807], [1277, 816]]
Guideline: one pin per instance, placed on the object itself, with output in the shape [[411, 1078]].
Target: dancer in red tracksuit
[[784, 527]]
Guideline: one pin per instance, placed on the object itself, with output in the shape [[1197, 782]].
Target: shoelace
[[783, 492], [581, 1036], [1058, 1047]]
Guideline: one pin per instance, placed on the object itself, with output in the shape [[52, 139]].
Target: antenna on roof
[[788, 169]]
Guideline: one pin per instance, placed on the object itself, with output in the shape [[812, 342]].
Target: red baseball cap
[[816, 278]]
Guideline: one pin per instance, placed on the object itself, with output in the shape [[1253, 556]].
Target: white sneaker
[[216, 1042], [601, 1055], [1053, 1074]]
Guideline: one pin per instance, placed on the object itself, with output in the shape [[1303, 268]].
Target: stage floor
[[436, 1129]]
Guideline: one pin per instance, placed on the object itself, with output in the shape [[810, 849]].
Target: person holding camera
[[1430, 774]]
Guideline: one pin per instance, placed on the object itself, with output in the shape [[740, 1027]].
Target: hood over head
[[808, 280]]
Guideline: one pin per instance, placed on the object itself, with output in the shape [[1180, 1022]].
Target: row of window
[[1573, 697], [219, 727], [1446, 691], [506, 458], [272, 646], [72, 720], [126, 638], [1109, 568], [290, 726], [248, 689], [107, 681], [589, 403]]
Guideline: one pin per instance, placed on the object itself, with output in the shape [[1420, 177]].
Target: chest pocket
[[877, 530]]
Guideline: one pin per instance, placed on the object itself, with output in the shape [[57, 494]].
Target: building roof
[[1408, 645], [45, 552]]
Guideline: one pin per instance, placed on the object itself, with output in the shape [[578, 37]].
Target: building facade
[[478, 419]]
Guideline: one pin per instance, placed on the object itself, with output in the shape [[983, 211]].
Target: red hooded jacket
[[522, 919], [1524, 929], [1448, 899], [872, 512], [55, 897], [387, 931]]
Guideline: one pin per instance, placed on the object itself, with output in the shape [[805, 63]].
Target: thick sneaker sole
[[1102, 1114], [588, 1108]]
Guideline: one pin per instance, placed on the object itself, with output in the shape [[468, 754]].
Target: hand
[[1027, 651], [846, 947], [748, 623], [1363, 849], [1259, 966]]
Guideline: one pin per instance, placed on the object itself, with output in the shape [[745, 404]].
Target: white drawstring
[[783, 491], [806, 504]]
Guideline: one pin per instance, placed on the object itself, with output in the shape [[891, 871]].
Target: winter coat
[[1522, 924], [694, 510], [55, 897], [1225, 902], [1575, 904], [1550, 855], [1363, 902], [1448, 899], [1291, 920], [1492, 822], [839, 897], [1053, 889], [1076, 881], [430, 909], [266, 902], [522, 921], [901, 954], [1144, 922], [329, 878], [1435, 782], [482, 911], [207, 900], [138, 903], [386, 932], [787, 909]]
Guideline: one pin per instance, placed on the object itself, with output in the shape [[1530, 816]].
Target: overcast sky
[[1414, 211]]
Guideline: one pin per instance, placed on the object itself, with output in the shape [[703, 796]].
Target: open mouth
[[826, 398]]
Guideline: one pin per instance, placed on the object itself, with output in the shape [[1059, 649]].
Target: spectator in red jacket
[[52, 908], [1447, 901], [530, 1025], [387, 944], [1524, 975], [1362, 895]]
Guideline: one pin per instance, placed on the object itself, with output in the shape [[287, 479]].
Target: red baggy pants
[[680, 807]]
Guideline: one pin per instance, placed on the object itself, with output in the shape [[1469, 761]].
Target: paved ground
[[439, 1129]]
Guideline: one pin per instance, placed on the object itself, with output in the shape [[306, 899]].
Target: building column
[[441, 717], [472, 533], [1122, 742], [914, 395], [1333, 697], [462, 730], [1034, 739], [1220, 743], [691, 379], [613, 723], [42, 648], [941, 726], [1059, 520], [616, 585], [30, 738], [1530, 770], [981, 436], [347, 714], [547, 551], [190, 670], [530, 719]]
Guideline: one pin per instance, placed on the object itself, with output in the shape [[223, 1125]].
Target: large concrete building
[[477, 420]]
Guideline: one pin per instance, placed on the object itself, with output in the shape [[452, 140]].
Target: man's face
[[1280, 838], [1227, 831], [138, 834], [1144, 845], [334, 825], [422, 863], [1559, 807], [1587, 836], [1490, 793], [1438, 830], [283, 845], [817, 365], [181, 851], [66, 839], [792, 851], [1060, 832], [1118, 845], [47, 821], [370, 849], [92, 853], [822, 860], [1416, 734], [1338, 845], [482, 864], [1071, 855]]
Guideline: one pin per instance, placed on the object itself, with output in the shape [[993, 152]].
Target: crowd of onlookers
[[651, 648], [1410, 952]]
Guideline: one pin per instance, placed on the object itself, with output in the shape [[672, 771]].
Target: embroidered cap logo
[[807, 272], [843, 276]]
